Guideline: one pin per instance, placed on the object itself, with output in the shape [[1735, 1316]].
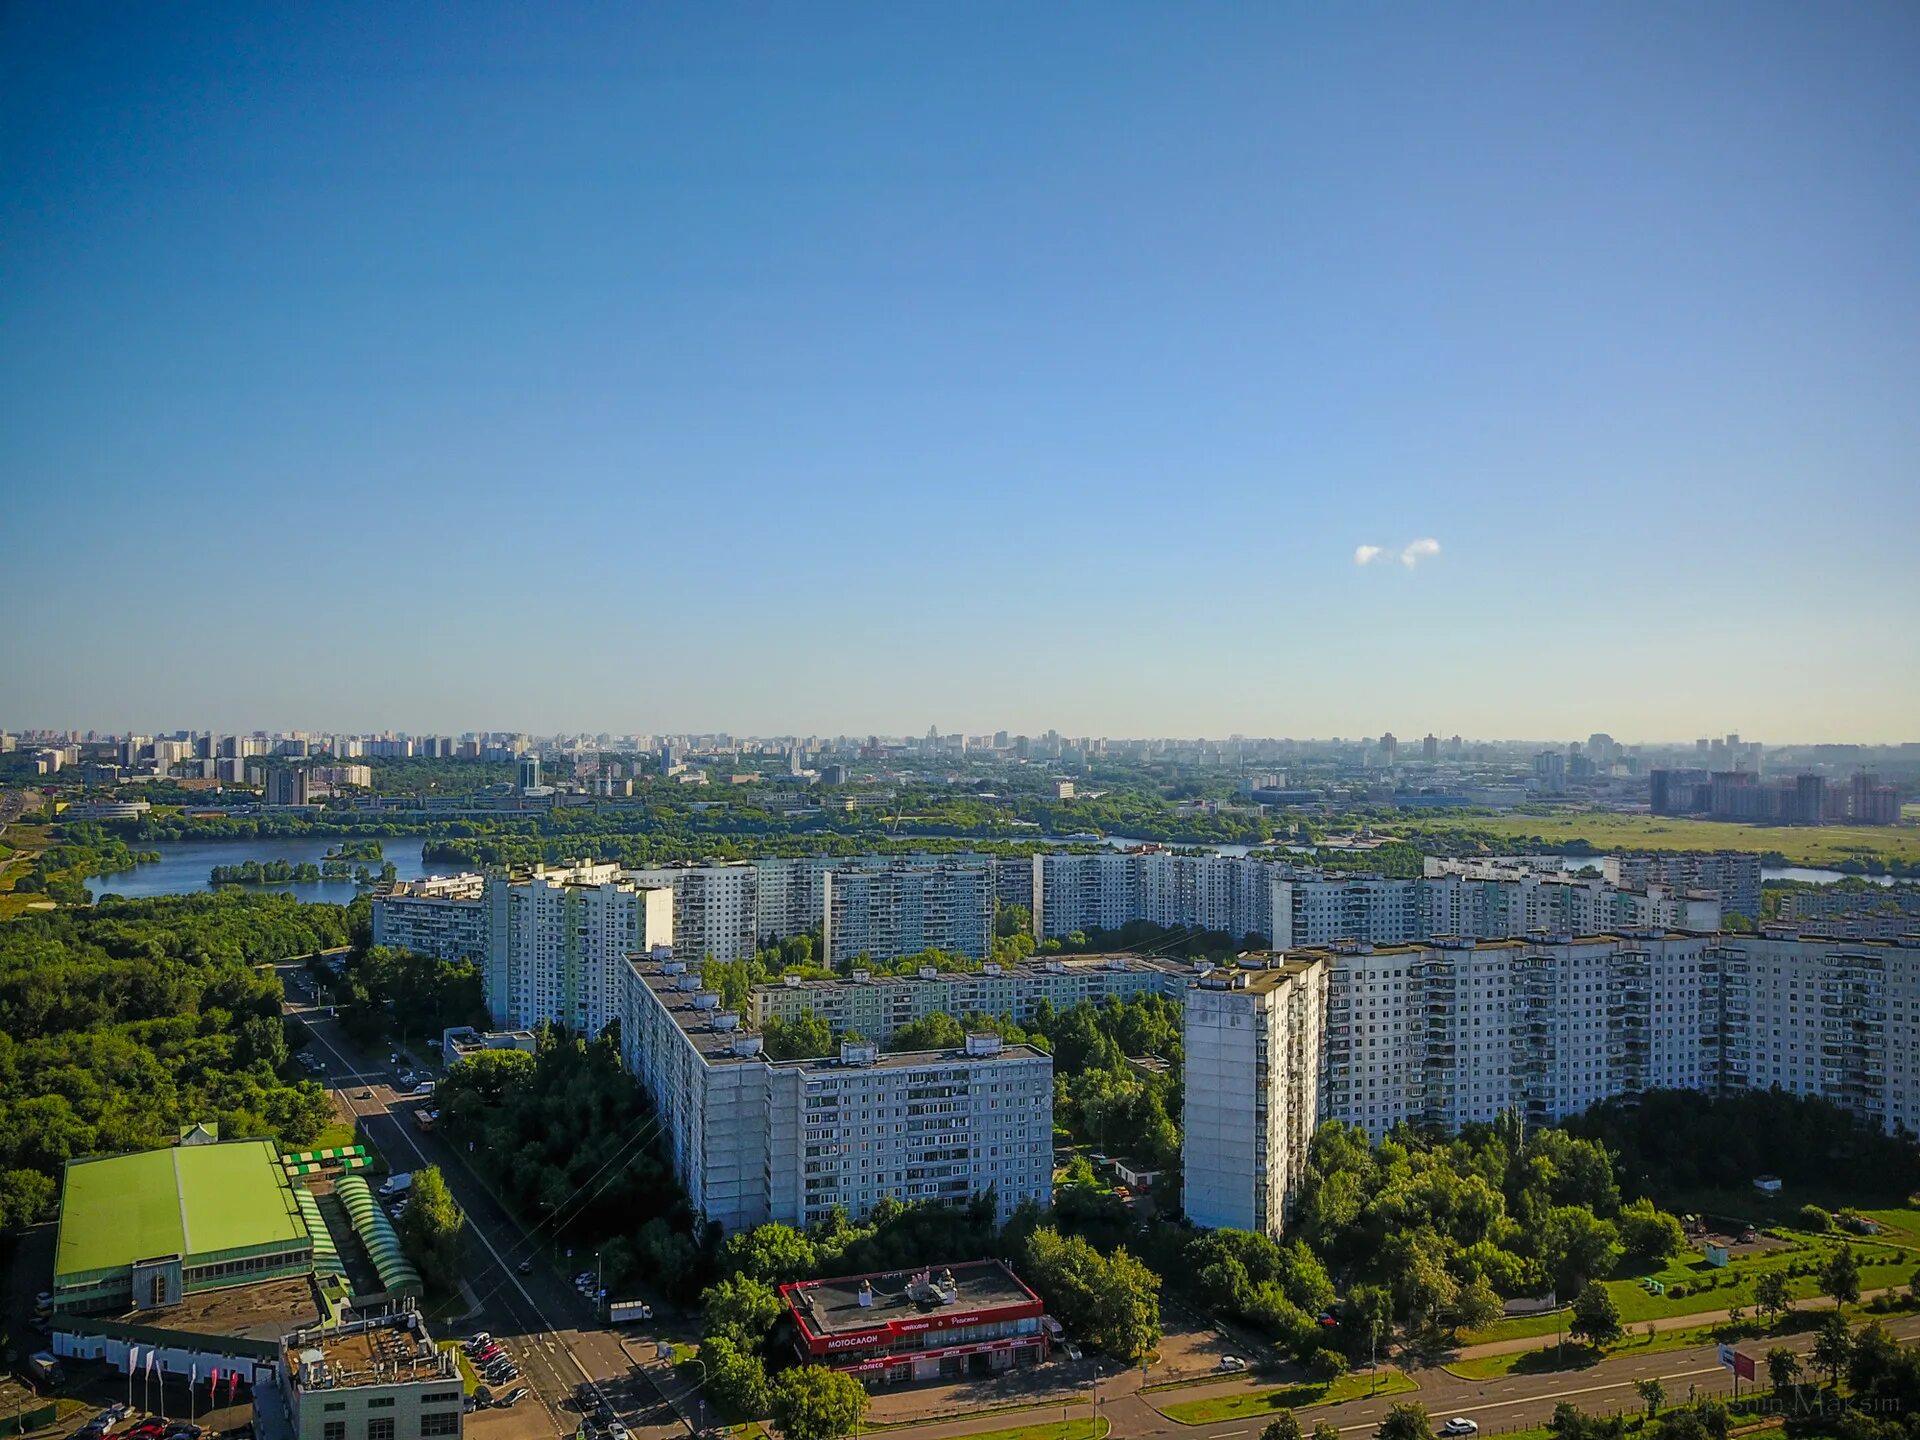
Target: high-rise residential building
[[1733, 876], [557, 942], [1430, 749], [1251, 1034], [1454, 1031], [287, 787], [715, 908], [442, 916], [902, 910], [529, 773], [756, 1141]]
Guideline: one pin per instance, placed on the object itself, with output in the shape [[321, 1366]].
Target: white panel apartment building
[[557, 943], [755, 1140], [1252, 1039], [715, 907], [444, 916], [877, 1005], [1454, 1031], [1107, 889], [900, 911]]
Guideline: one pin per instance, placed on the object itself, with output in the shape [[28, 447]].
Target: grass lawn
[[1574, 1356], [1353, 1386], [1881, 1265], [1818, 846], [336, 1136], [1079, 1429]]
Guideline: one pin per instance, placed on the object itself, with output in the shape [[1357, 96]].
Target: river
[[184, 865]]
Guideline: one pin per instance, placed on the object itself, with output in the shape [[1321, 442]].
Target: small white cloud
[[1365, 554], [1417, 551]]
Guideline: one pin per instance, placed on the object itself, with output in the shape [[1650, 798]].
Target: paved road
[[550, 1330]]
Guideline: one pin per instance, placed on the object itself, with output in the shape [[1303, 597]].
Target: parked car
[[475, 1342], [525, 1267], [1460, 1425], [513, 1396], [1232, 1363], [617, 1431], [501, 1374]]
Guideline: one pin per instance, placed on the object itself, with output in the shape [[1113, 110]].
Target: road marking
[[480, 1234], [1557, 1395]]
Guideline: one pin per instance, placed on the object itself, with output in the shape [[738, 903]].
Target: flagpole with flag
[[133, 1363], [146, 1385], [213, 1388], [193, 1400]]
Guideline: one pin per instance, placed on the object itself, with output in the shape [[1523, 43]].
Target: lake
[[184, 865]]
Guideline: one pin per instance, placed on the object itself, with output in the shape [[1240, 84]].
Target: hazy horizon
[[1124, 370]]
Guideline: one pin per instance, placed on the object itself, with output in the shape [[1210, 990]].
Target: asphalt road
[[548, 1327]]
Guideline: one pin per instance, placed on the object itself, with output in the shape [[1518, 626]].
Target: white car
[[1232, 1362], [1460, 1425]]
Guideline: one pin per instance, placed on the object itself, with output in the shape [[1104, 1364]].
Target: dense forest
[[120, 1024]]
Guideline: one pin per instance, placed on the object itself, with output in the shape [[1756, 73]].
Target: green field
[[1881, 1265], [1819, 846], [1246, 1403], [1080, 1429]]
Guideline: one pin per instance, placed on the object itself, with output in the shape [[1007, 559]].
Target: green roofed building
[[142, 1231]]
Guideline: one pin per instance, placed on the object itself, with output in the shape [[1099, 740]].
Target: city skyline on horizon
[[1410, 741]]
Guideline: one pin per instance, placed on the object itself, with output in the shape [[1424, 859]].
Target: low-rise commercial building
[[378, 1378], [946, 1322]]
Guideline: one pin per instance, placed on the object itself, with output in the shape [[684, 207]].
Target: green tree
[[1405, 1421], [1832, 1346], [1474, 1306], [1126, 1322], [1576, 1247], [812, 1402], [1652, 1394], [773, 1254], [742, 1309], [1840, 1277], [1325, 1430], [1650, 1234], [1596, 1319], [1771, 1295], [1282, 1427], [1783, 1369], [433, 1231], [802, 1038], [1813, 1218], [735, 1376]]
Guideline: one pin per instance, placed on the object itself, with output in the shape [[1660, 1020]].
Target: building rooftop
[[387, 1350], [263, 1311], [187, 1200], [716, 1034], [833, 1307], [990, 970]]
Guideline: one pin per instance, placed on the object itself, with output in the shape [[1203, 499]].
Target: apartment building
[[1312, 910], [1732, 876], [1252, 1037], [557, 942], [444, 916], [878, 1005], [1105, 890], [755, 1140], [715, 907], [903, 911]]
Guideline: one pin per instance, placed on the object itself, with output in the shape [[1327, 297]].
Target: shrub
[[1813, 1218]]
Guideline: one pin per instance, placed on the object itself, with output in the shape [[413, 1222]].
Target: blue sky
[[829, 368]]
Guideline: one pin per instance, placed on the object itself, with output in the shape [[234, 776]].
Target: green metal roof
[[370, 1223], [188, 1200]]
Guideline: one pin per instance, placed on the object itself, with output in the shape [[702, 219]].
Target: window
[[381, 1429], [335, 1430], [445, 1423]]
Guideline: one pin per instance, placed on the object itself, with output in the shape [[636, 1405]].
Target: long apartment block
[[877, 1005], [755, 1140], [1454, 1031]]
